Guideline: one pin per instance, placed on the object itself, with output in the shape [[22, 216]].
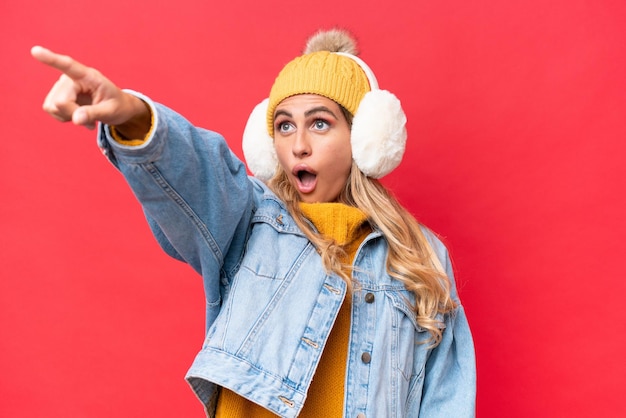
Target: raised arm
[[84, 96], [193, 189]]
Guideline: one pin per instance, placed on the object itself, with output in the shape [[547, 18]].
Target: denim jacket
[[270, 305]]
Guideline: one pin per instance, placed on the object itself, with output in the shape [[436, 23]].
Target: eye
[[320, 124], [283, 127]]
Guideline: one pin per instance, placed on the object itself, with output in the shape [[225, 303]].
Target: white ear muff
[[378, 128], [378, 134], [257, 144]]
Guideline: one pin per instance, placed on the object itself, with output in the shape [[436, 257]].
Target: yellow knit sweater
[[348, 227]]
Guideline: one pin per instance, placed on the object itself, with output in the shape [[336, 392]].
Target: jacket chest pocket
[[271, 254]]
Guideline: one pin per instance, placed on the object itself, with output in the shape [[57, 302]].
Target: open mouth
[[306, 177], [306, 180]]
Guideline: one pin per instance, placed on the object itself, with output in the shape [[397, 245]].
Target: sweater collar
[[338, 221]]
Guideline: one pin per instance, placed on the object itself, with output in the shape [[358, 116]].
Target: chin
[[308, 199]]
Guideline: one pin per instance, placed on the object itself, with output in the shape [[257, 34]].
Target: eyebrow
[[317, 109], [308, 113]]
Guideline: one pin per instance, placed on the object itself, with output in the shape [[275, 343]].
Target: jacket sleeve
[[450, 373], [194, 191]]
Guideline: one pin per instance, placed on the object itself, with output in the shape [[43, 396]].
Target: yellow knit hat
[[327, 74]]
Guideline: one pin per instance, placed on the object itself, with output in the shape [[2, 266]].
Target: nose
[[301, 145]]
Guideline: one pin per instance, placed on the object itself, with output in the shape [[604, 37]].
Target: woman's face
[[312, 141]]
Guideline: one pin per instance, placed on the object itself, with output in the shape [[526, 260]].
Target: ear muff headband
[[366, 69]]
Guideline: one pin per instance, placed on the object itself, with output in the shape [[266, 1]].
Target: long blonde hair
[[408, 260]]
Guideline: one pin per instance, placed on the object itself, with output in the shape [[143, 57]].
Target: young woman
[[325, 297]]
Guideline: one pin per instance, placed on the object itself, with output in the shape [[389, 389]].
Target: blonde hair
[[409, 258]]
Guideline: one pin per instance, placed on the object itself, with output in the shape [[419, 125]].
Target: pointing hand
[[84, 96]]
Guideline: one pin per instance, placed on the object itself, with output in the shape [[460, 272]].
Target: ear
[[378, 133], [258, 145]]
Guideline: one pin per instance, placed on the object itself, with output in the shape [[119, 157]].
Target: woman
[[324, 296]]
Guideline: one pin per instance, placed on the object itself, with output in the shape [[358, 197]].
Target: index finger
[[63, 63]]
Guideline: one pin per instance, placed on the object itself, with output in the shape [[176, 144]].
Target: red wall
[[516, 146]]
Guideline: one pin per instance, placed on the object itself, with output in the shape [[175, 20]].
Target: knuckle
[[49, 107]]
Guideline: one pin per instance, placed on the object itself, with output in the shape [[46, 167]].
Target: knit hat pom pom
[[332, 40]]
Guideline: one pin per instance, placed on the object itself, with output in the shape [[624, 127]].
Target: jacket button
[[369, 298], [361, 415], [366, 358]]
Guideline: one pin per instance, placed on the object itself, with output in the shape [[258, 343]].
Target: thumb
[[85, 116]]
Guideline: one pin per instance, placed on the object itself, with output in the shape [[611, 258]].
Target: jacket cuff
[[113, 145]]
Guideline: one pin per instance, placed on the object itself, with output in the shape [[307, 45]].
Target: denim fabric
[[270, 304]]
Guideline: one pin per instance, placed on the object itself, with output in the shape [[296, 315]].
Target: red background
[[515, 156]]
